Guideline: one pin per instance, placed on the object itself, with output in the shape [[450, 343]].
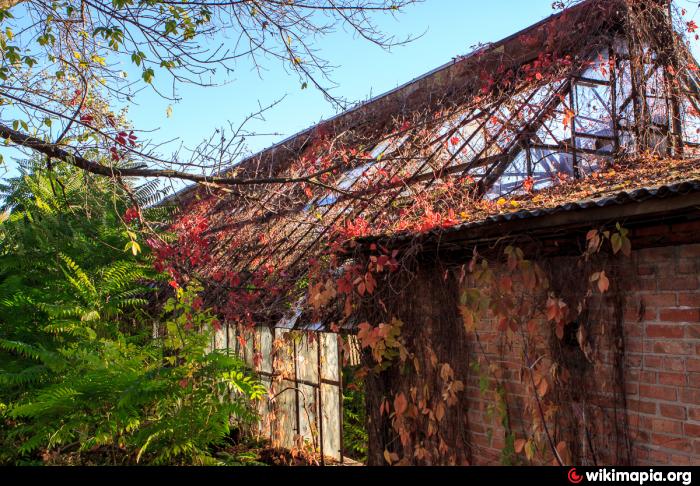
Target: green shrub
[[81, 372], [355, 435]]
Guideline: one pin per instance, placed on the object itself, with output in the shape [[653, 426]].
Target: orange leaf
[[440, 411], [568, 117], [603, 282], [400, 404]]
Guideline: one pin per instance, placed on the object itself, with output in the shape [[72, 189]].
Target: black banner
[[427, 476]]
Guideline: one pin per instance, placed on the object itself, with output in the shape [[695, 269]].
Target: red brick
[[691, 430], [676, 443], [652, 362], [481, 440], [690, 251], [678, 283], [632, 330], [674, 364], [694, 414], [660, 392], [498, 443], [690, 226], [667, 299], [666, 426], [642, 406], [672, 411], [658, 457], [680, 315], [693, 331], [677, 460], [657, 254], [674, 379], [690, 395], [693, 380], [687, 266], [670, 347], [664, 331], [636, 421], [648, 377], [646, 284], [690, 299], [640, 453], [644, 270], [634, 346], [633, 360]]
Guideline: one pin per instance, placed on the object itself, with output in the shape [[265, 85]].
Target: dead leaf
[[400, 404]]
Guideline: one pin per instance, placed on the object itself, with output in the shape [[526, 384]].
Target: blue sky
[[449, 27]]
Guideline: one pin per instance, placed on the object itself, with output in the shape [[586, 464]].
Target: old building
[[512, 240]]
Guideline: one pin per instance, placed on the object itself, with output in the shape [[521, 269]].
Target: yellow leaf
[[387, 456], [133, 246]]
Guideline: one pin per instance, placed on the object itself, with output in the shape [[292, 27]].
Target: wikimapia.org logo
[[639, 477]]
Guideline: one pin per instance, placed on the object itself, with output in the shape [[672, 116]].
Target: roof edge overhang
[[666, 205]]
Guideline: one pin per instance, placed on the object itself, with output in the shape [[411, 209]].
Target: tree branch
[[51, 150]]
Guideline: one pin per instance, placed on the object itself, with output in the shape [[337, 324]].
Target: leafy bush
[[81, 371]]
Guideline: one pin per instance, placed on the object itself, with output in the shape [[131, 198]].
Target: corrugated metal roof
[[623, 197]]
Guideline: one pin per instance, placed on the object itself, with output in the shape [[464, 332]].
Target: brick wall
[[661, 349], [664, 364], [633, 399]]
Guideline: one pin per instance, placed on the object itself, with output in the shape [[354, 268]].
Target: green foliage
[[355, 437], [81, 371]]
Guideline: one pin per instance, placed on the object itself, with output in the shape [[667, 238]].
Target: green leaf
[[147, 75], [616, 242]]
